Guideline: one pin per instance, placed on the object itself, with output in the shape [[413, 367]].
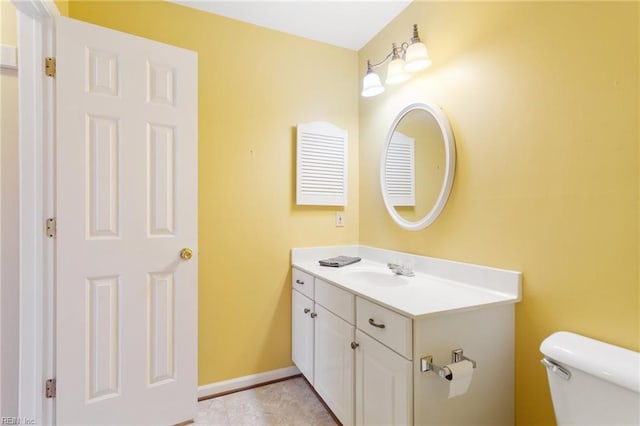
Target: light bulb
[[371, 85], [395, 72], [417, 57]]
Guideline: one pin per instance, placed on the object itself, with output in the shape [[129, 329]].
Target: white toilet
[[592, 382]]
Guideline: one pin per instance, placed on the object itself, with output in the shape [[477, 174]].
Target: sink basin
[[376, 277]]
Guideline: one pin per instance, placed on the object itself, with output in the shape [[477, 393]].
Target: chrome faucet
[[401, 269]]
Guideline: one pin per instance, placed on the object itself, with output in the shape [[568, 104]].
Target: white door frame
[[36, 189]]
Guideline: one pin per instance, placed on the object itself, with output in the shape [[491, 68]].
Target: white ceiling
[[344, 23]]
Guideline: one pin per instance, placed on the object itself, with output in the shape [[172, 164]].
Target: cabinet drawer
[[302, 282], [336, 300], [386, 326]]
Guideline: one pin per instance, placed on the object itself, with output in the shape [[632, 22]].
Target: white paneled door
[[126, 202]]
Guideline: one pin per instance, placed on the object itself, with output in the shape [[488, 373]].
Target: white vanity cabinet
[[363, 354], [322, 335], [358, 377]]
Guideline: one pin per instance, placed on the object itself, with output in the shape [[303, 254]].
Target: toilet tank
[[592, 382]]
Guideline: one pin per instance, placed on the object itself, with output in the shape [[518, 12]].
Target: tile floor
[[290, 402]]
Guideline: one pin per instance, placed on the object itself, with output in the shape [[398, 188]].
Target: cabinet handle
[[313, 315], [372, 322], [354, 345], [307, 310], [300, 282]]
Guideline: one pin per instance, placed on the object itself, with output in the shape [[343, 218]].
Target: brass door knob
[[186, 253]]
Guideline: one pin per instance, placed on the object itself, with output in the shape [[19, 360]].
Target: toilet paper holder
[[457, 355]]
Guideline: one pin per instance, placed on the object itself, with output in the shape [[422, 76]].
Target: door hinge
[[50, 67], [51, 228], [50, 388]]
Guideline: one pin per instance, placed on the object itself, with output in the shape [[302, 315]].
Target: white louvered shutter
[[321, 164], [400, 170]]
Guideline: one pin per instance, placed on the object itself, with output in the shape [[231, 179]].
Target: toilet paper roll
[[461, 375]]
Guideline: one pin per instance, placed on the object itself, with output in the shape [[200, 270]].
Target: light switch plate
[[339, 219]]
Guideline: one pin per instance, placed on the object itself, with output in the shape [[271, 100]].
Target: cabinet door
[[302, 334], [383, 385], [334, 363]]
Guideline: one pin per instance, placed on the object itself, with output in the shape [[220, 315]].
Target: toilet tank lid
[[603, 360]]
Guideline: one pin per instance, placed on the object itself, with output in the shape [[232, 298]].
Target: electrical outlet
[[339, 219]]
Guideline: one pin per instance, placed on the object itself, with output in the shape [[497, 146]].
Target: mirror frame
[[450, 161]]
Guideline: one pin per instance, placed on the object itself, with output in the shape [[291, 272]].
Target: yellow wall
[[543, 101], [9, 29], [63, 7], [255, 85]]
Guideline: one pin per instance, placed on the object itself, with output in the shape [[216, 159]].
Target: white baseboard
[[242, 382]]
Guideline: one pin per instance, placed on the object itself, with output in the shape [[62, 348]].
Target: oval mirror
[[417, 167]]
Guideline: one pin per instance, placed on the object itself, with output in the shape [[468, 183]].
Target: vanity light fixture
[[409, 57]]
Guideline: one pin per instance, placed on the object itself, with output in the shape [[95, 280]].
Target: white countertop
[[439, 286]]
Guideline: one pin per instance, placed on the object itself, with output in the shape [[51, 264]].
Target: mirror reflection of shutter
[[400, 171], [321, 177]]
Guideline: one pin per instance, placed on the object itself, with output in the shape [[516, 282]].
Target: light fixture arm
[[372, 66], [394, 52]]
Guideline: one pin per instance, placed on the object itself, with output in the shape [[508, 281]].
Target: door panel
[[126, 345], [335, 363], [302, 338], [383, 385]]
